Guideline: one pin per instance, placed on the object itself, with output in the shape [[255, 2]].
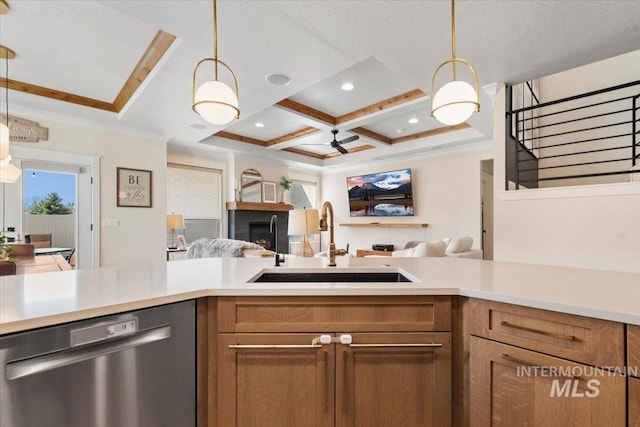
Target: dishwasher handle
[[47, 362]]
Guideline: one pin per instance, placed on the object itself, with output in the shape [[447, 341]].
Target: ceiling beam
[[156, 50], [305, 110], [371, 134], [58, 95], [292, 135], [158, 47], [381, 106], [431, 132], [352, 150], [304, 152], [240, 138]]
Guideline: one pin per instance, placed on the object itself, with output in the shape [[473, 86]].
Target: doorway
[[84, 172], [50, 208], [486, 207]]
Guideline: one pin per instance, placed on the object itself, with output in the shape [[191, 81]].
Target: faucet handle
[[278, 258]]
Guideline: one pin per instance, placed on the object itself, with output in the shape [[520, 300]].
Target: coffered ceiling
[[128, 64]]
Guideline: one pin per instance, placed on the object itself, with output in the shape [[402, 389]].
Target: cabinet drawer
[[511, 386], [327, 314], [591, 341], [633, 348]]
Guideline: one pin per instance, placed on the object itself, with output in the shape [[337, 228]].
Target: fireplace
[[251, 223], [259, 234]]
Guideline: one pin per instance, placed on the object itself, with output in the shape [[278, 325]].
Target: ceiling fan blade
[[350, 139], [340, 149], [320, 143]]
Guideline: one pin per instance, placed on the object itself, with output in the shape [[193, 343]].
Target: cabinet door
[[393, 379], [511, 386], [634, 402], [275, 380]]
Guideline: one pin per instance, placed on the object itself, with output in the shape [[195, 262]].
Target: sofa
[[458, 247]]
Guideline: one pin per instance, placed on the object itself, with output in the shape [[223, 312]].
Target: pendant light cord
[[215, 38], [453, 38]]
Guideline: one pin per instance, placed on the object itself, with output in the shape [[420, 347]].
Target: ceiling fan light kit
[[215, 101], [457, 100]]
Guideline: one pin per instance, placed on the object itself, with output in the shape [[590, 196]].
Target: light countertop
[[37, 300]]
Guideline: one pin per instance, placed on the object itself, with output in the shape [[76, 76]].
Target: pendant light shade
[[9, 173], [215, 101], [457, 100]]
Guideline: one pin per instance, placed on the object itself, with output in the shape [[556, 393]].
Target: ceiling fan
[[338, 144]]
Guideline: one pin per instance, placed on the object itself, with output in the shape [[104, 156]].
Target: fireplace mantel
[[254, 206]]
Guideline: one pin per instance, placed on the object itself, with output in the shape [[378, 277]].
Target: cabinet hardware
[[315, 343], [248, 346], [397, 345], [539, 331]]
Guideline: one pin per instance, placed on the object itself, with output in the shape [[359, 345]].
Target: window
[[196, 193]]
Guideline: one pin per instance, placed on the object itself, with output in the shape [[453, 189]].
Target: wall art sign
[[23, 130], [134, 188]]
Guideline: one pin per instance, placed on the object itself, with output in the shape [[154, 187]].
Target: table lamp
[[303, 222], [174, 221]]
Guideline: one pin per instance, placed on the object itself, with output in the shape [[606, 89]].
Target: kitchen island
[[32, 301], [436, 342]]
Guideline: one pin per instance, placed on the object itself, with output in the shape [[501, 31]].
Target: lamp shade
[[175, 221], [216, 102], [303, 222], [454, 103]]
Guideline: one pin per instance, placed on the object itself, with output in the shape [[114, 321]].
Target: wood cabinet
[[360, 253], [533, 367], [633, 402], [381, 361]]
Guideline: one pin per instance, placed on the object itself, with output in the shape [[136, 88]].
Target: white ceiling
[[385, 48]]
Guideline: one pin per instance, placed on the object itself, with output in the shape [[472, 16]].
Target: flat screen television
[[381, 194]]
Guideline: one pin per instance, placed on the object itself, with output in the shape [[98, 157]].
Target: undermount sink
[[331, 275]]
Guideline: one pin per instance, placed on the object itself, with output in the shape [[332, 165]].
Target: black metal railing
[[590, 138]]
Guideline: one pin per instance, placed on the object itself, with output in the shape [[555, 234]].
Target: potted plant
[[286, 183], [7, 266]]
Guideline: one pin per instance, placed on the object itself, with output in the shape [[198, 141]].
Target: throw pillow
[[436, 248], [460, 244]]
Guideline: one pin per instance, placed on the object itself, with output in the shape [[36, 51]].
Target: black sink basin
[[299, 277]]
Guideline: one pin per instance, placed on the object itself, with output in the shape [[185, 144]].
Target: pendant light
[[214, 100], [9, 173], [457, 100]]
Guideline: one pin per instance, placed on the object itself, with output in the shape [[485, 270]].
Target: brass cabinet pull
[[317, 342], [526, 363], [430, 345], [249, 346], [538, 331]]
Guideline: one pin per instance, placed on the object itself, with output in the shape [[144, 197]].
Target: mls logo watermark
[[570, 388], [575, 381]]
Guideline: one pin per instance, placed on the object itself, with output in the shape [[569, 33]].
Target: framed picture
[[182, 242], [134, 188], [269, 192]]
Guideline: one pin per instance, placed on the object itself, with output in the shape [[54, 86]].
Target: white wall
[[446, 192], [591, 226], [140, 236]]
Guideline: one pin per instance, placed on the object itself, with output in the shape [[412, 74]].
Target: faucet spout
[[273, 224], [327, 210]]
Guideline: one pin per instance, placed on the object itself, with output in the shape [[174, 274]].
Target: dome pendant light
[[457, 100], [215, 101], [9, 173]]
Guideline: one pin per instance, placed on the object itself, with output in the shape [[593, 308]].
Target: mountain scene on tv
[[381, 194]]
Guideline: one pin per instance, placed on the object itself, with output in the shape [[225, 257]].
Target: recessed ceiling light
[[259, 124], [197, 126], [413, 120], [347, 86], [278, 79]]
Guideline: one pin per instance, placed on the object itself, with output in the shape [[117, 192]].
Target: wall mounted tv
[[381, 194]]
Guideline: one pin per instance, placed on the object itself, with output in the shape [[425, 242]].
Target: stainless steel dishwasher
[[133, 369]]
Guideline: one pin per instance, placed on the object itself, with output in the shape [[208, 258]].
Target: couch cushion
[[460, 244], [436, 248]]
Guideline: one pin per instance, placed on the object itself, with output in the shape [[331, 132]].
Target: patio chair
[[22, 249]]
